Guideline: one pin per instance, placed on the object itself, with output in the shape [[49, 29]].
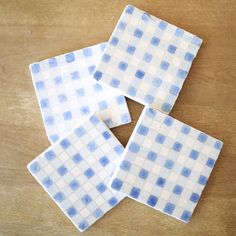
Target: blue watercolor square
[[143, 174], [138, 33], [163, 25], [87, 52], [160, 138], [194, 197], [134, 192], [115, 83], [130, 49], [103, 105], [152, 200], [169, 164], [202, 180], [168, 121], [84, 110], [70, 57], [142, 130], [92, 146], [101, 187], [89, 173], [112, 201], [47, 182], [155, 41], [134, 147], [62, 170], [74, 184], [62, 98], [97, 75], [50, 155], [114, 41], [152, 156], [116, 184], [71, 211], [52, 62], [123, 66], [106, 58], [139, 74], [164, 65], [67, 115], [40, 85], [35, 68], [125, 165], [86, 199], [65, 143], [49, 120], [178, 189], [172, 49], [149, 99], [177, 146], [75, 75], [44, 103], [194, 154], [59, 197], [157, 82], [104, 161], [132, 91], [202, 137], [169, 208], [161, 182], [186, 172], [77, 158], [80, 92]]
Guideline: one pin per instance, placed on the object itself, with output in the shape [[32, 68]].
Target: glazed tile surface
[[147, 59], [166, 164], [68, 94], [75, 171]]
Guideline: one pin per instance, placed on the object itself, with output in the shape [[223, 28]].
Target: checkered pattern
[[75, 171], [147, 59], [67, 94], [166, 164]]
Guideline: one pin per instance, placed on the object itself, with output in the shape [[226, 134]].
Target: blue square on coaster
[[150, 56], [166, 164], [75, 172], [68, 94]]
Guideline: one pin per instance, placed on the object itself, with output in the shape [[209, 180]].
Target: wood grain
[[34, 30]]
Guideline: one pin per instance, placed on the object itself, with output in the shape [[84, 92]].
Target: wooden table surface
[[35, 30]]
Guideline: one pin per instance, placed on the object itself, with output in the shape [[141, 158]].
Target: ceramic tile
[[166, 164], [67, 94], [76, 169], [147, 59]]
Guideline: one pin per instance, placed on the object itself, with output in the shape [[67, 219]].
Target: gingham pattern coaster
[[67, 93], [147, 59], [166, 164], [75, 171]]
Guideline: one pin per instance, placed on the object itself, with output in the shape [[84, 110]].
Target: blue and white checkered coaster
[[166, 164], [67, 93], [75, 171], [147, 59]]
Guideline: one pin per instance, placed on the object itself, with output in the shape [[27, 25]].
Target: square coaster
[[147, 59], [76, 169], [166, 164], [68, 94]]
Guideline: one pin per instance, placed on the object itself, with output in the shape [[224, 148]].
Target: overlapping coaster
[[147, 59], [166, 164], [68, 94], [75, 171]]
